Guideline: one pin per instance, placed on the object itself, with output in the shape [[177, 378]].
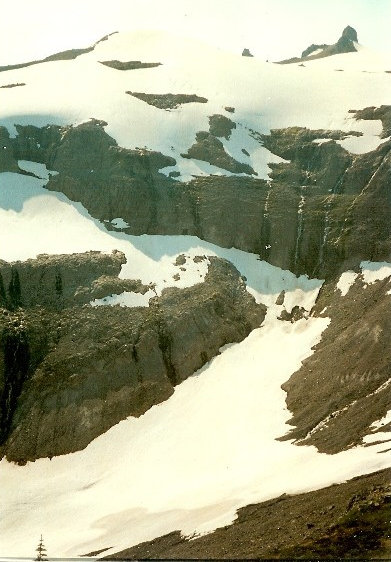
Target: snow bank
[[375, 271], [346, 280]]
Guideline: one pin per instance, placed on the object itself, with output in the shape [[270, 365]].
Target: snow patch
[[119, 223], [36, 168], [125, 299], [375, 271], [346, 280]]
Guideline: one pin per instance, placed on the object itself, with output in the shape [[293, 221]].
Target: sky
[[272, 29]]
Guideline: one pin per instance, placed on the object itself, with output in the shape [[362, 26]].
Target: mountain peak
[[345, 44], [350, 34]]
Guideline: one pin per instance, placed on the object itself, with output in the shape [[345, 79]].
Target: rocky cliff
[[348, 376], [67, 376], [324, 211]]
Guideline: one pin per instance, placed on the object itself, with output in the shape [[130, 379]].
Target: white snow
[[36, 168], [126, 298], [370, 139], [187, 463], [346, 280], [264, 95], [322, 141], [119, 223], [317, 52], [191, 461], [375, 271]]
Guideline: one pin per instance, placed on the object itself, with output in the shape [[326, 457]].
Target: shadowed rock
[[129, 65], [167, 101], [89, 368]]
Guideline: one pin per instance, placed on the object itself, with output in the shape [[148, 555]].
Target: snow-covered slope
[[190, 462], [211, 448], [186, 464], [264, 95]]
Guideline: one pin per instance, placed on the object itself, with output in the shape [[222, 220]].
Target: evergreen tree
[[41, 551]]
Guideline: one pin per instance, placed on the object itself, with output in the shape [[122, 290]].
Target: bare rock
[[73, 374]]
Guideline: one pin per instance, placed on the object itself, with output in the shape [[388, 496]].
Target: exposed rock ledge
[[129, 65], [167, 101], [67, 376], [324, 212], [64, 280]]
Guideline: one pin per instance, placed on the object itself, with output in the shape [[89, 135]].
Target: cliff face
[[67, 376], [348, 377], [62, 280], [324, 211]]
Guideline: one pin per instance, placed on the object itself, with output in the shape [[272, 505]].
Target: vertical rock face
[[322, 212], [68, 375], [350, 34], [56, 281], [14, 369], [8, 162]]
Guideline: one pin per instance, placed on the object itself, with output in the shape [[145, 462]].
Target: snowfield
[[43, 222], [192, 461], [187, 463], [84, 88]]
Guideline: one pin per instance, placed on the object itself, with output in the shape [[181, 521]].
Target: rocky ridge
[[323, 212], [68, 375], [348, 375], [345, 44]]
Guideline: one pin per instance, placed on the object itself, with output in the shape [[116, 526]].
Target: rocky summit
[[195, 281], [345, 44]]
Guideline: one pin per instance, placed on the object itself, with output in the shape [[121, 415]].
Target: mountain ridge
[[246, 202]]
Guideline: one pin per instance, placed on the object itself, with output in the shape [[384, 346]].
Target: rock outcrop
[[63, 280], [167, 101], [345, 44], [8, 162], [246, 53], [221, 126], [67, 376], [16, 85], [344, 387], [210, 149], [129, 65], [323, 212]]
